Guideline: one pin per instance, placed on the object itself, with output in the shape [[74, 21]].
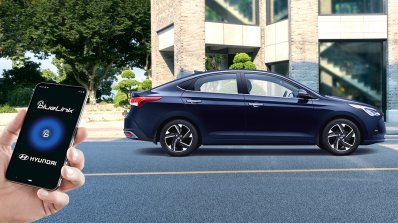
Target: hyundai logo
[[23, 157]]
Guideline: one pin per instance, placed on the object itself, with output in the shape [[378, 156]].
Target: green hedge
[[7, 109], [20, 96]]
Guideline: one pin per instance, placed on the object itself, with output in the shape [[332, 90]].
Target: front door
[[274, 113]]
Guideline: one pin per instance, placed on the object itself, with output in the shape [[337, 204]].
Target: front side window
[[219, 83], [277, 10], [329, 7], [262, 85]]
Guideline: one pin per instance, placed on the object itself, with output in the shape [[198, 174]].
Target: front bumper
[[376, 133]]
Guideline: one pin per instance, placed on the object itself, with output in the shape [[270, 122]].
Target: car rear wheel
[[179, 138], [340, 137]]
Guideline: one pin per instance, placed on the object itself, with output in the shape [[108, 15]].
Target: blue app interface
[[46, 134]]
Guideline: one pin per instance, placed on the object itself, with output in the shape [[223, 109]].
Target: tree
[[27, 75], [243, 61], [125, 87], [19, 83], [92, 37], [128, 85], [145, 85]]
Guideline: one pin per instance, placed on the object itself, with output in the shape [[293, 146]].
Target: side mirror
[[304, 94]]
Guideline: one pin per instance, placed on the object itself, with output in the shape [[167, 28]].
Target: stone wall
[[303, 37], [189, 37], [392, 61], [259, 59], [162, 15]]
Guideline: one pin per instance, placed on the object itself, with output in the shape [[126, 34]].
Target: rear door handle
[[194, 101], [255, 104]]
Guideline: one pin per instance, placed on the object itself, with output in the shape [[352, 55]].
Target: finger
[[53, 200], [75, 158], [12, 129], [81, 135], [73, 178]]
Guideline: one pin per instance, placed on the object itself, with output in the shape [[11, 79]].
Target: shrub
[[20, 96], [243, 61], [241, 58], [7, 109], [121, 100], [145, 85], [248, 65], [106, 102]]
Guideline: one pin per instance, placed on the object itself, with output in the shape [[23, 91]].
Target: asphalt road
[[129, 181]]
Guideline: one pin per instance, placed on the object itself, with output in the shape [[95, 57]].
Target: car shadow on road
[[209, 151]]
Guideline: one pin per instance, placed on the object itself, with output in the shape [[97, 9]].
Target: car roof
[[196, 74]]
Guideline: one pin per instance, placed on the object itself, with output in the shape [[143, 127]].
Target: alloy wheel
[[178, 138], [341, 137]]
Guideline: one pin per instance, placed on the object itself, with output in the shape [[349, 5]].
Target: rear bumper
[[133, 131]]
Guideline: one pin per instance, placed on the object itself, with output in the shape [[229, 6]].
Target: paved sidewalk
[[392, 128]]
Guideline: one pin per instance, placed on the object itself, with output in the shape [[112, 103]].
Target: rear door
[[215, 102]]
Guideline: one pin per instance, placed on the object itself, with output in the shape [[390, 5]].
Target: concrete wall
[[277, 42], [166, 39], [392, 62], [303, 36], [353, 27], [232, 35]]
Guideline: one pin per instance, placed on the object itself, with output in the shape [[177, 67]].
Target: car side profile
[[242, 107]]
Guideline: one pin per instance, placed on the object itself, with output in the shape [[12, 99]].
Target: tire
[[340, 137], [179, 138]]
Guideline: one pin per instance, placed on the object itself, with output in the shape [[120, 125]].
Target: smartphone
[[46, 134]]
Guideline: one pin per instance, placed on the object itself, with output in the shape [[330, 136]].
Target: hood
[[348, 101]]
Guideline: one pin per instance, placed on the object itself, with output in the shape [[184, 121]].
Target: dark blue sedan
[[241, 107]]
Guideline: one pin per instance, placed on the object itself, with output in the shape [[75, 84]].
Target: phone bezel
[[71, 140]]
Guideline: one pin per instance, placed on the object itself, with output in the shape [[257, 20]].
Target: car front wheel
[[179, 138], [340, 137]]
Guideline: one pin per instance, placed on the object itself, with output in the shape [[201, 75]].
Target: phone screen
[[46, 134]]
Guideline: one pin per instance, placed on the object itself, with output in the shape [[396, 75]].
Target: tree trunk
[[92, 92], [92, 97]]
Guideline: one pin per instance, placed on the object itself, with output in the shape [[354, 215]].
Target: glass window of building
[[216, 61], [328, 7], [242, 12], [353, 70], [277, 10], [279, 67]]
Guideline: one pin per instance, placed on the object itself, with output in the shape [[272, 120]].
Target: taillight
[[139, 101]]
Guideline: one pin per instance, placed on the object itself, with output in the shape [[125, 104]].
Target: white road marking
[[390, 146]]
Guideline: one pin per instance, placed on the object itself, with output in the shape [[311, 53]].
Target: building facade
[[345, 48]]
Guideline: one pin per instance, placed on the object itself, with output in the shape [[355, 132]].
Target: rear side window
[[219, 83]]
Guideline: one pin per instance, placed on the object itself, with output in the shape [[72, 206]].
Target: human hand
[[20, 203]]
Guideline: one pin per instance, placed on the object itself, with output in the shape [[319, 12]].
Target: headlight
[[370, 111]]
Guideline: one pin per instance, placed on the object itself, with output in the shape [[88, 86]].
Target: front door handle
[[194, 101], [255, 104]]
